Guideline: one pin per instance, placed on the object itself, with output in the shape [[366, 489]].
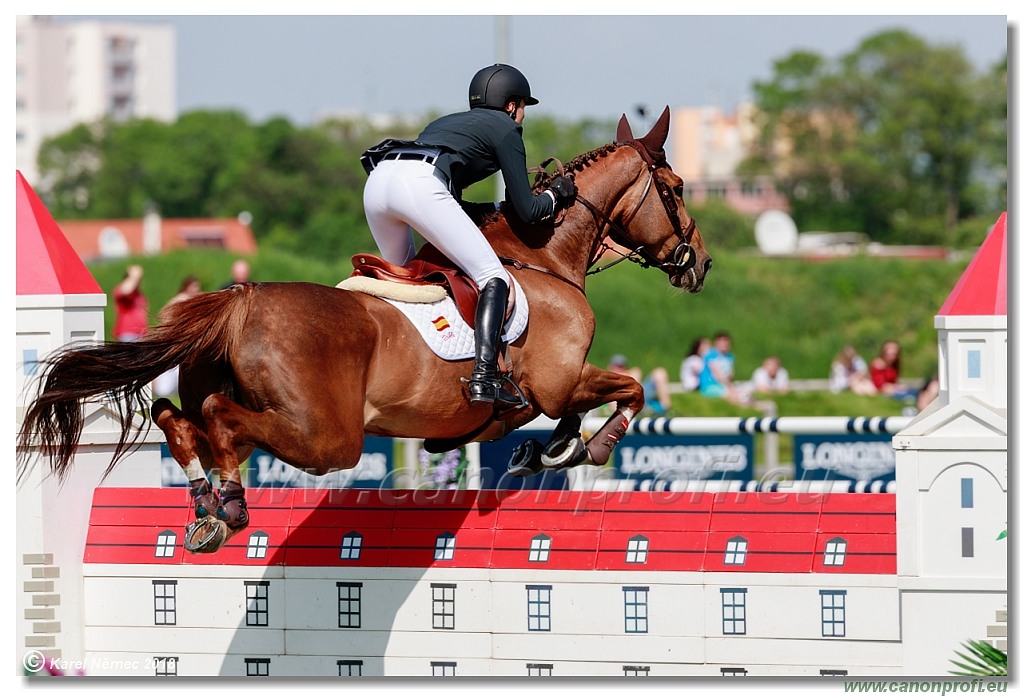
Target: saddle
[[429, 267]]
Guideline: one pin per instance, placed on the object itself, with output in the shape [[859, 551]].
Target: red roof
[[588, 531], [981, 290], [46, 261], [226, 234]]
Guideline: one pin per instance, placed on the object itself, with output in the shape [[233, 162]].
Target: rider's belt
[[411, 155]]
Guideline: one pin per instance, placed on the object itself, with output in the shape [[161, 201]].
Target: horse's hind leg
[[191, 450], [318, 440]]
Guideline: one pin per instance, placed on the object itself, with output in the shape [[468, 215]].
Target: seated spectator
[[771, 377], [716, 379], [850, 373], [885, 373], [693, 365], [656, 394]]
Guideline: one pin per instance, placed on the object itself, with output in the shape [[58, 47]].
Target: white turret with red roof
[[951, 474], [972, 327], [59, 302]]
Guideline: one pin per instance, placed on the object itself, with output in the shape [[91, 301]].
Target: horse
[[304, 371]]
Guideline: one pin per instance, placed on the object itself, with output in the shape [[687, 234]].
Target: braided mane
[[575, 165]]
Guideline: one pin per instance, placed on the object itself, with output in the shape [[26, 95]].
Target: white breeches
[[401, 195]]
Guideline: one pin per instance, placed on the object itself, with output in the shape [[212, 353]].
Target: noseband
[[682, 257]]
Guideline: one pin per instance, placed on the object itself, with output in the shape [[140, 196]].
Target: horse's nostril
[[707, 265]]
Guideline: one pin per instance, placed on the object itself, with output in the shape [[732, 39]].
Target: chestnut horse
[[303, 371]]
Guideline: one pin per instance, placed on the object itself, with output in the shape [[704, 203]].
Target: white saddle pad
[[439, 322]]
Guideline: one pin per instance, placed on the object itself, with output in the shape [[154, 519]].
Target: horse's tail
[[201, 328]]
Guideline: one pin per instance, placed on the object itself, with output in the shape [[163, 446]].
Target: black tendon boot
[[484, 385]]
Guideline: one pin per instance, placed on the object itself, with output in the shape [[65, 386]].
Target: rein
[[520, 265]]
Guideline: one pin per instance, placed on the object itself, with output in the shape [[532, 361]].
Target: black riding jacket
[[479, 143]]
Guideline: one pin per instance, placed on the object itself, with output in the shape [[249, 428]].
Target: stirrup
[[485, 390]]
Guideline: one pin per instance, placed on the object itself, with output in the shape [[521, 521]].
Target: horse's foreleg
[[597, 387]]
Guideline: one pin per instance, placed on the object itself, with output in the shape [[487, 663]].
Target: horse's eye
[[678, 189]]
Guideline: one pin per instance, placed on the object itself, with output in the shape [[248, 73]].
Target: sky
[[597, 66]]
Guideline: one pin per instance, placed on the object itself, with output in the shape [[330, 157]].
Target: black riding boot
[[484, 385]]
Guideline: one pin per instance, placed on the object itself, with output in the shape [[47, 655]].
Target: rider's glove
[[564, 190]]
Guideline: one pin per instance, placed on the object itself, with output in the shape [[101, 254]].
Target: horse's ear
[[623, 133], [656, 137]]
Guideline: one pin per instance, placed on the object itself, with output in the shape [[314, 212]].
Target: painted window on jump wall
[[257, 603], [636, 608], [165, 665], [538, 608], [165, 602], [350, 667], [257, 667], [736, 551], [165, 543], [444, 547], [350, 605], [539, 669], [636, 671], [636, 549], [835, 552], [442, 668], [351, 546], [443, 595], [540, 548], [833, 613], [734, 610], [258, 542]]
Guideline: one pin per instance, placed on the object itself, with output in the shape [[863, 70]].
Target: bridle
[[679, 261], [682, 257]]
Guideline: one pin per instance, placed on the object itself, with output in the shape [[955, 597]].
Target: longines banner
[[669, 462], [853, 457]]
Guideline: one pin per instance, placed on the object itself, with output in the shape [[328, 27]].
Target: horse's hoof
[[564, 451], [206, 535], [525, 459]]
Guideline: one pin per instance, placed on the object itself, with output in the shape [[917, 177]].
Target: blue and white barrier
[[803, 425]]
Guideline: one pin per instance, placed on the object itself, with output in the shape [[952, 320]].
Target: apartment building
[[70, 72]]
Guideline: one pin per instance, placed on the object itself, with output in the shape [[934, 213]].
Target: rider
[[418, 184]]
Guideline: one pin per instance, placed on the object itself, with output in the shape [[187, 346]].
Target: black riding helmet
[[492, 87]]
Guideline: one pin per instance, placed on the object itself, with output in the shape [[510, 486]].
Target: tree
[[891, 139], [302, 186]]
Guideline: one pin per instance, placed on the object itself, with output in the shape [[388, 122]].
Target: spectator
[[928, 393], [656, 393], [240, 273], [850, 373], [693, 365], [716, 379], [131, 306], [885, 373], [167, 383], [190, 286], [771, 377]]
